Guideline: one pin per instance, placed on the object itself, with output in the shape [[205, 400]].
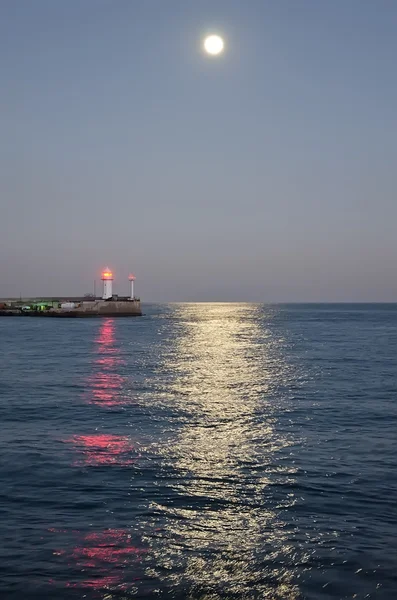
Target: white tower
[[132, 278], [107, 278]]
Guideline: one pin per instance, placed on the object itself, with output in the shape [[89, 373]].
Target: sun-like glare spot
[[214, 44]]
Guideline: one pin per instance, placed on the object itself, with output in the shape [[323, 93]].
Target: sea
[[202, 451]]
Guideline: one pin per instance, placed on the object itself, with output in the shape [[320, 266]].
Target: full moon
[[213, 44]]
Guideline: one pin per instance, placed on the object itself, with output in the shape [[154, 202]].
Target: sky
[[267, 174]]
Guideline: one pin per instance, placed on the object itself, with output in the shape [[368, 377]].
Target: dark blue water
[[202, 451]]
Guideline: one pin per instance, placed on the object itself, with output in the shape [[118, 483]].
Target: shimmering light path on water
[[203, 451]]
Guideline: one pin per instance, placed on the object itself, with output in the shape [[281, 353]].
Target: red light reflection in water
[[104, 557], [105, 449], [106, 338], [105, 383], [105, 389]]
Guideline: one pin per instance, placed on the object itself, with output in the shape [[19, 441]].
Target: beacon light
[[107, 278], [131, 279]]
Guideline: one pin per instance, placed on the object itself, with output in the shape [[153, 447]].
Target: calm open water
[[202, 451]]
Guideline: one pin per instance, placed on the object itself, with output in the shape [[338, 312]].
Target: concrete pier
[[92, 308]]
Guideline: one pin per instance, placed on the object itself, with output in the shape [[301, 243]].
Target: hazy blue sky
[[269, 174]]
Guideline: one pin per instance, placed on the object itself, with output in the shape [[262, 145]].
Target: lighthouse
[[107, 278], [131, 279]]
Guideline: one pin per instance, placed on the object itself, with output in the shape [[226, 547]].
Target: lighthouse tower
[[107, 278], [131, 279]]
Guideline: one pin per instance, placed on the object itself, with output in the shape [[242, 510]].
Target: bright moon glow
[[213, 44]]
